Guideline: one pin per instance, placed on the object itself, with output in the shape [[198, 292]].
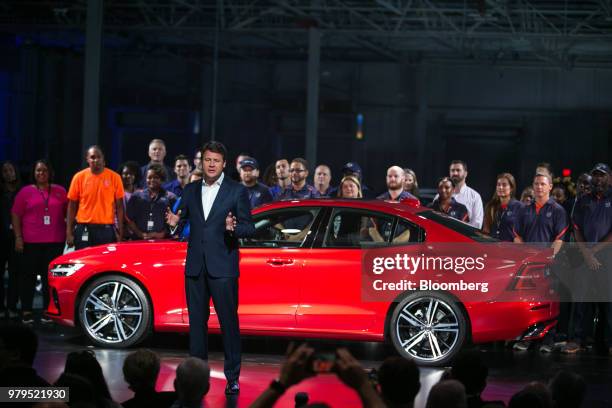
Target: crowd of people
[[103, 206], [41, 219], [395, 383]]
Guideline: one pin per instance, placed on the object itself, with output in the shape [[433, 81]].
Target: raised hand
[[171, 218], [230, 222], [297, 366]]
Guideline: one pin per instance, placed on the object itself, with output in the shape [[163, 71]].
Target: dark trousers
[[35, 261], [8, 258], [224, 293], [593, 292], [97, 234]]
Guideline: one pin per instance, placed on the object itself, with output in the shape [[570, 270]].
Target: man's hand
[[297, 366], [153, 235], [591, 261], [349, 370], [172, 219], [69, 239], [230, 222]]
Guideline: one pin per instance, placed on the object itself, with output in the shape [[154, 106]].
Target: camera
[[323, 362]]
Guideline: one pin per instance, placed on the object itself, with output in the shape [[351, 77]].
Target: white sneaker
[[546, 348], [45, 320], [521, 345]]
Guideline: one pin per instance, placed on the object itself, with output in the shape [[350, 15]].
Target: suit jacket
[[210, 246]]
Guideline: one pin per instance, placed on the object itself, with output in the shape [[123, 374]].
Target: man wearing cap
[[258, 193], [322, 179], [592, 219], [354, 169], [298, 188], [282, 176]]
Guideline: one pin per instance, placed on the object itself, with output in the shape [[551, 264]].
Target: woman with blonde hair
[[350, 187], [411, 183], [502, 209]]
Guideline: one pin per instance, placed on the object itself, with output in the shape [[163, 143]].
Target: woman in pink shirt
[[39, 222]]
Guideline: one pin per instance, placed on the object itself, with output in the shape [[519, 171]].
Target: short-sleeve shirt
[[403, 196], [96, 195], [541, 224], [42, 213], [504, 221], [142, 208], [258, 195], [307, 191], [455, 210], [593, 216]]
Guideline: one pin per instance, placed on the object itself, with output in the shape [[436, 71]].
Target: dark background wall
[[497, 118]]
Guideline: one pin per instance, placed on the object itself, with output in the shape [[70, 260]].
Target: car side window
[[351, 228], [406, 232], [287, 228]]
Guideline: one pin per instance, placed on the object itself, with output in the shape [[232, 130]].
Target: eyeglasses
[[208, 160]]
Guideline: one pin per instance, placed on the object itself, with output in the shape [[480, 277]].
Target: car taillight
[[528, 276]]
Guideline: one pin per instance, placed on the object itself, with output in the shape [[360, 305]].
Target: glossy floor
[[509, 371]]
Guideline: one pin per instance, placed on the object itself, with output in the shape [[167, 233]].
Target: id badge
[[46, 219], [150, 225], [85, 236]]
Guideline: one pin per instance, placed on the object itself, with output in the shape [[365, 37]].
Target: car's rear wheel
[[429, 327], [115, 312]]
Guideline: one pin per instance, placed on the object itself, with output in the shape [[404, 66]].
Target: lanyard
[[45, 200]]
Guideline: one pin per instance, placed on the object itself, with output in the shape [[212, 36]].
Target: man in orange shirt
[[94, 197]]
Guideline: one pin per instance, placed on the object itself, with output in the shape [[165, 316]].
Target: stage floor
[[509, 371]]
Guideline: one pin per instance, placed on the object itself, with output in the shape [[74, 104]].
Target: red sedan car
[[302, 275]]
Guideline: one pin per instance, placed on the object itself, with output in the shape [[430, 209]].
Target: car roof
[[408, 206]]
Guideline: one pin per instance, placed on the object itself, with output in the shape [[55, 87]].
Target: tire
[[429, 340], [114, 312]]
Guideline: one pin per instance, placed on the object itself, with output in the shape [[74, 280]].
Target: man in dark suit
[[219, 213]]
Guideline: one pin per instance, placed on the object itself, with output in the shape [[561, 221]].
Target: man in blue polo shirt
[[181, 169], [298, 170], [395, 186], [258, 193], [592, 219], [281, 168], [543, 220]]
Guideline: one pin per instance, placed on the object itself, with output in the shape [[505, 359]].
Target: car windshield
[[457, 226]]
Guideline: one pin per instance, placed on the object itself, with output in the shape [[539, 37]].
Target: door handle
[[279, 261]]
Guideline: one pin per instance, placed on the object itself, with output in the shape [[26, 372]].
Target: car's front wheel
[[429, 327], [115, 312]]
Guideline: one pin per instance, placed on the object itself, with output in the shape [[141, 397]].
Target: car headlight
[[65, 269]]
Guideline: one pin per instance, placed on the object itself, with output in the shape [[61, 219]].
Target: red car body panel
[[301, 292]]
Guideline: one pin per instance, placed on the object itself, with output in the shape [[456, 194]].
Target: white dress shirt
[[471, 199], [209, 193]]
